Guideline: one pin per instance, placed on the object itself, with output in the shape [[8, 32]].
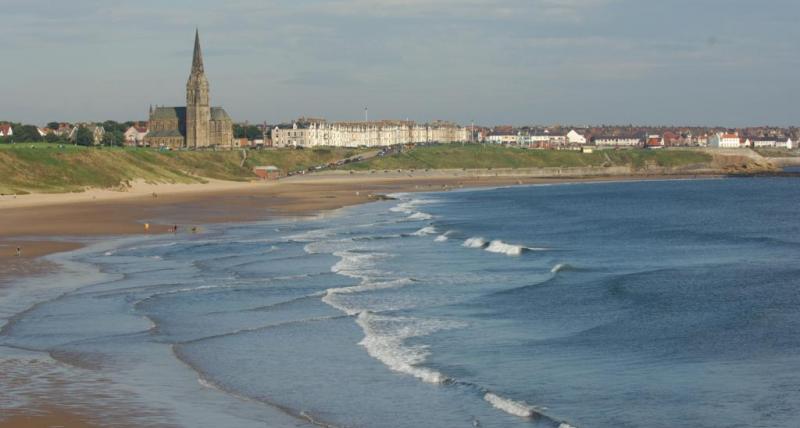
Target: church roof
[[168, 113], [219, 113]]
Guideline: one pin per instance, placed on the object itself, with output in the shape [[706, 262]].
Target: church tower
[[198, 110]]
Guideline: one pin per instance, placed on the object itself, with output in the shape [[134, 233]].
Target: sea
[[608, 304]]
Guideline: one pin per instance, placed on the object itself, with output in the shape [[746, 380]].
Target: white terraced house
[[617, 141], [725, 140], [307, 132]]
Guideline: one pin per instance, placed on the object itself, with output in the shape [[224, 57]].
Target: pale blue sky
[[714, 62]]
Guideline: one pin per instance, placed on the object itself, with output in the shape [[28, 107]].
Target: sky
[[580, 62]]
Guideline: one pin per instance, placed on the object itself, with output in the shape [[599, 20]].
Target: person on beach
[[175, 229], [19, 251]]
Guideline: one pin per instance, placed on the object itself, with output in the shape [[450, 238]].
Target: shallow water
[[606, 304]]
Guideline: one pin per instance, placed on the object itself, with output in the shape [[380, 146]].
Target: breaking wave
[[429, 230], [498, 246], [516, 408], [385, 338], [561, 267], [476, 242], [419, 216]]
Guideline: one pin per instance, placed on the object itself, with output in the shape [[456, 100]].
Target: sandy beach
[[46, 224]]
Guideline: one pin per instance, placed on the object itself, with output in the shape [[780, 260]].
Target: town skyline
[[501, 62]]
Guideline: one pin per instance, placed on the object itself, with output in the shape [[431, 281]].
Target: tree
[[53, 138], [113, 138], [251, 132], [26, 133], [84, 137]]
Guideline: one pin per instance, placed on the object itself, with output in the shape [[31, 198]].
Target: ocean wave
[[330, 295], [444, 237], [326, 246], [476, 242], [428, 230], [404, 207], [500, 247], [419, 216], [385, 338], [408, 207], [516, 408], [357, 265], [311, 235], [561, 267]]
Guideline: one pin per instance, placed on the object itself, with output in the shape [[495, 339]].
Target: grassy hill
[[486, 156], [40, 167]]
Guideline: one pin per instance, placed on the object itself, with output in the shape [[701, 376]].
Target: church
[[196, 126]]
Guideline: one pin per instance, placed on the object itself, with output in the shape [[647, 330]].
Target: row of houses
[[732, 140], [64, 130], [308, 132], [575, 140]]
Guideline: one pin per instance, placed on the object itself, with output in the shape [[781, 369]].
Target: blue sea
[[627, 304]]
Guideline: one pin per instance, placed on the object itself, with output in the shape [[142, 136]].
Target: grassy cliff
[[474, 156], [40, 167]]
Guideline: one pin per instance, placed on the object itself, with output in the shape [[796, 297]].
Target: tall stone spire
[[197, 59], [198, 111]]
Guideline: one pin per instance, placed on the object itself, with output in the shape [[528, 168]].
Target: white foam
[[429, 230], [559, 267], [419, 216], [327, 246], [357, 265], [476, 242], [331, 296], [516, 408], [405, 207], [500, 247], [565, 425], [441, 238], [408, 207], [312, 235], [385, 338]]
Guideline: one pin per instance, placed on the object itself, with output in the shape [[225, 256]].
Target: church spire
[[197, 60]]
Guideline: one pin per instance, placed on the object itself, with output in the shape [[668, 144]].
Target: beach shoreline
[[50, 224]]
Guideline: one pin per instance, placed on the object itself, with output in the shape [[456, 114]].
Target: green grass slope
[[485, 156], [26, 168]]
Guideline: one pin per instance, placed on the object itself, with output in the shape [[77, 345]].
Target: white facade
[[6, 131], [573, 137], [317, 132], [504, 139], [781, 143], [617, 142], [135, 135], [724, 141]]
